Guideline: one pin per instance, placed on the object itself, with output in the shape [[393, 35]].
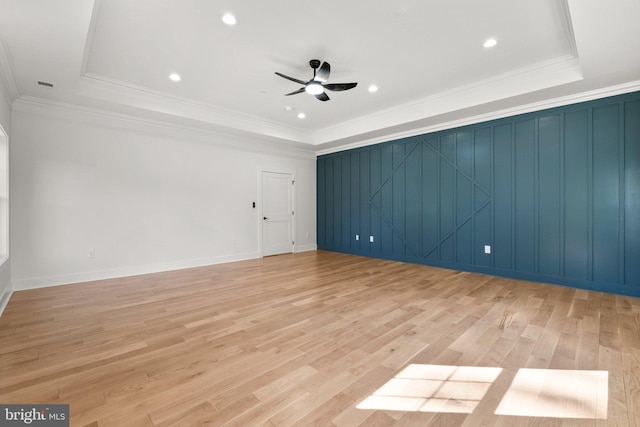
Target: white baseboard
[[305, 248], [89, 276], [4, 300]]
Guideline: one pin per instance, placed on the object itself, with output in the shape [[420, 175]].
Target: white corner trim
[[88, 46], [5, 294], [8, 83], [567, 26], [90, 276], [514, 111], [4, 299]]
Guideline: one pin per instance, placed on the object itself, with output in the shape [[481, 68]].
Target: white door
[[277, 213]]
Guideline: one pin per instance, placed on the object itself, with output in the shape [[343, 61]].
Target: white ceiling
[[426, 57]]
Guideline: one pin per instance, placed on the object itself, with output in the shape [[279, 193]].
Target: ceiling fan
[[318, 83]]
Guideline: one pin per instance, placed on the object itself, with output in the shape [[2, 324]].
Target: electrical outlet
[[371, 239], [91, 253], [487, 249], [357, 237]]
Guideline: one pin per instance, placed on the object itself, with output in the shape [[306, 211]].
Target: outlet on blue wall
[[555, 193]]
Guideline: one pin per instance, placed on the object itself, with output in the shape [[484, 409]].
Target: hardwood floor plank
[[275, 402], [631, 368], [379, 419], [304, 339]]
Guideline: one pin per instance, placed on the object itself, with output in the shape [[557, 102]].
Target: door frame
[[292, 189]]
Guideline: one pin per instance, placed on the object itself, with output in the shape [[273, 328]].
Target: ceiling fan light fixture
[[317, 85], [314, 88]]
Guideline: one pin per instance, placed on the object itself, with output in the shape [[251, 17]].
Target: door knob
[[265, 218]]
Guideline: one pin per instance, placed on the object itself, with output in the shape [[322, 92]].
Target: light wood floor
[[324, 339]]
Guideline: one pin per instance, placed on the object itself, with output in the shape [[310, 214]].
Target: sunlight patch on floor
[[553, 393], [557, 393], [433, 388]]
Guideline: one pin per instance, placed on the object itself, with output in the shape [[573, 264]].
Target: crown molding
[[120, 121], [499, 114], [8, 83], [555, 72], [543, 75], [91, 32], [567, 26], [118, 92]]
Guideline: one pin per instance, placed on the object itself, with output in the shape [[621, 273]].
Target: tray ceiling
[[426, 58]]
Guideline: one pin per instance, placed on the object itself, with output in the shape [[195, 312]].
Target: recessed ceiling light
[[490, 43], [302, 115], [373, 88], [175, 77], [229, 19]]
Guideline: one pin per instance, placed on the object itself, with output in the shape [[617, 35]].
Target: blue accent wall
[[555, 193]]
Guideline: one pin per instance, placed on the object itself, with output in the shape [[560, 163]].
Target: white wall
[[141, 199], [5, 270]]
